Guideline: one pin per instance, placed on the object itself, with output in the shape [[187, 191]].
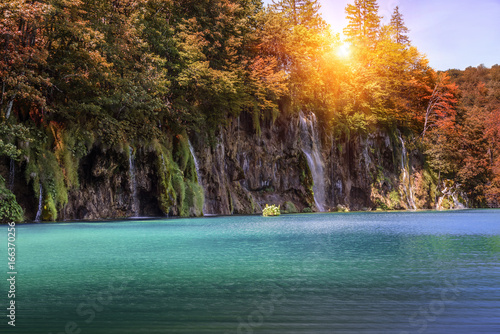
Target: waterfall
[[38, 216], [197, 167], [133, 183], [406, 177], [456, 202], [12, 174], [164, 166], [450, 193], [311, 147]]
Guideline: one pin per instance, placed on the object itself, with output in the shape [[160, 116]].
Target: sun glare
[[343, 51]]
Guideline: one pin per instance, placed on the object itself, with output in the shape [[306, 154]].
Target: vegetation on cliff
[[146, 73]]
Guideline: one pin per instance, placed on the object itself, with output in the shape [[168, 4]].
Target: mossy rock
[[289, 207], [446, 203], [49, 211], [341, 208]]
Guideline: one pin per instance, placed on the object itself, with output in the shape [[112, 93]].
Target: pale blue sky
[[452, 33]]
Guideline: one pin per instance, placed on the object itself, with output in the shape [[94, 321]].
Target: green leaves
[[11, 137], [364, 23], [10, 210]]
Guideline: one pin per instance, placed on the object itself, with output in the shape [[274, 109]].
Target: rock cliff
[[290, 163]]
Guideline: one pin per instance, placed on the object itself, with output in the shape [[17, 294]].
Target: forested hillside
[[97, 94]]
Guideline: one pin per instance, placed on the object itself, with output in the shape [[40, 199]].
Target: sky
[[452, 33]]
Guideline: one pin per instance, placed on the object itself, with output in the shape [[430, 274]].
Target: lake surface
[[411, 272]]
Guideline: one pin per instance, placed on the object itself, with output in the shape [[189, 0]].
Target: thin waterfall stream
[[38, 216], [197, 167], [407, 188], [133, 183], [311, 147], [447, 193]]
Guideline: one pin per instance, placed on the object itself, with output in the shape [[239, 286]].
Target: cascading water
[[197, 167], [38, 216], [191, 149], [406, 177], [447, 194], [12, 174], [311, 147], [456, 202], [133, 183], [164, 166]]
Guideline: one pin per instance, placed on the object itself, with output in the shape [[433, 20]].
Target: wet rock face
[[105, 185], [244, 171], [241, 172], [351, 167], [16, 182]]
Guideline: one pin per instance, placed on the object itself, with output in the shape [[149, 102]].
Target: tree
[[492, 134], [364, 23], [300, 12], [478, 145], [23, 54], [399, 28], [440, 109], [304, 39]]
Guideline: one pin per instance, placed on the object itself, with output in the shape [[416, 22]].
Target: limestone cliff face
[[290, 163], [352, 168], [244, 171], [106, 187]]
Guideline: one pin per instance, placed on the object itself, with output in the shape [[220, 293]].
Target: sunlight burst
[[343, 51]]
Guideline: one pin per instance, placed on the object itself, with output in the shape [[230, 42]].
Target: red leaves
[[477, 134], [492, 136], [22, 54], [441, 103]]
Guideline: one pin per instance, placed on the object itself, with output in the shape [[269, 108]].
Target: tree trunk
[[9, 107]]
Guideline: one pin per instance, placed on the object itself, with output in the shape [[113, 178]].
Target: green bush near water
[[272, 210]]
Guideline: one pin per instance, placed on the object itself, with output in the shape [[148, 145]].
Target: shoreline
[[132, 219]]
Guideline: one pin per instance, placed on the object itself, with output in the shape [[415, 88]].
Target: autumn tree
[[440, 111], [399, 29], [478, 148], [300, 12], [364, 23], [220, 70], [302, 45], [379, 68], [23, 55], [492, 135]]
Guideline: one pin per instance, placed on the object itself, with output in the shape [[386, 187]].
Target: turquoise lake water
[[399, 272]]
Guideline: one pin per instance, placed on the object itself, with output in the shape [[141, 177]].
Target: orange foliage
[[22, 53], [492, 135], [440, 111]]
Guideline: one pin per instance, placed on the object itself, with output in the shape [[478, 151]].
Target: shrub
[[10, 210], [272, 210]]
